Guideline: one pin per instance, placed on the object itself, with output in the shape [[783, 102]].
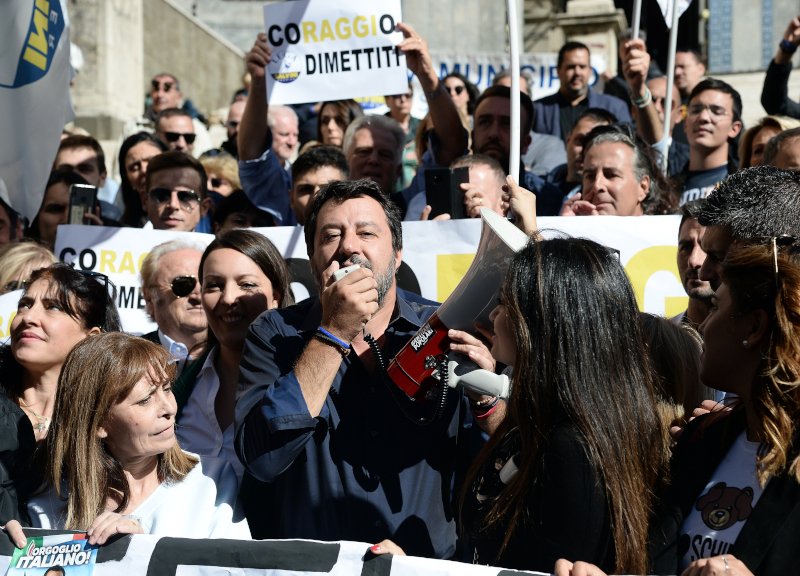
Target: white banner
[[34, 97], [333, 51], [8, 309], [437, 253]]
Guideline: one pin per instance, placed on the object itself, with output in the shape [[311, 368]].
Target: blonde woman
[[113, 465], [18, 260], [222, 171]]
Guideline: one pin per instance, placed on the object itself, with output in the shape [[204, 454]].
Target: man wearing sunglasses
[[172, 298], [174, 128], [176, 185], [713, 115]]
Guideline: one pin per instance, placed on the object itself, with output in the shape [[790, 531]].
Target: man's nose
[[174, 203], [697, 257]]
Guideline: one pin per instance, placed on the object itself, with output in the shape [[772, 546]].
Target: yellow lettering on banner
[[326, 32], [107, 258], [646, 263], [35, 58], [450, 269], [363, 30], [127, 264], [141, 259], [674, 305], [5, 328], [374, 30], [309, 31], [39, 39], [43, 5], [343, 35]]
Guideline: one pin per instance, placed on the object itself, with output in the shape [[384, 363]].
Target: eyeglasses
[[783, 240], [183, 285], [233, 123], [103, 278], [457, 89], [217, 182], [715, 111], [175, 136], [167, 85], [188, 199], [401, 96]]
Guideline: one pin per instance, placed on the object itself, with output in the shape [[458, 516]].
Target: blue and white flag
[[34, 97]]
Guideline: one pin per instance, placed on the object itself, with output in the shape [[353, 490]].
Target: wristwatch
[[435, 94]]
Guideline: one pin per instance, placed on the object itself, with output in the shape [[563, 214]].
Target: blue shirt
[[267, 184], [361, 470]]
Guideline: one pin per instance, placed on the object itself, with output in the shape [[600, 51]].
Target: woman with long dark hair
[[134, 154]]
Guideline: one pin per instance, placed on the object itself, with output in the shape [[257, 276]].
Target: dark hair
[[691, 211], [569, 47], [598, 115], [79, 141], [611, 403], [13, 218], [725, 88], [349, 110], [340, 191], [172, 113], [174, 79], [477, 160], [177, 159], [757, 202], [692, 51], [319, 157], [59, 569], [775, 144], [505, 92], [92, 304], [56, 177], [472, 91], [239, 202], [264, 254], [134, 213], [661, 198]]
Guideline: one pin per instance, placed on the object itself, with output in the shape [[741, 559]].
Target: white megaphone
[[416, 367]]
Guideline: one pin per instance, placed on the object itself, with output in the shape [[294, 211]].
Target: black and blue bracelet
[[326, 336], [787, 47]]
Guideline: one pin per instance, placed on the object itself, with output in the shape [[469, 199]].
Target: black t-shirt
[[568, 114], [700, 183]]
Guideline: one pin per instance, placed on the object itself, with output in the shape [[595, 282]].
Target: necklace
[[44, 421]]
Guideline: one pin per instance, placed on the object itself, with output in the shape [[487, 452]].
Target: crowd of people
[[630, 443]]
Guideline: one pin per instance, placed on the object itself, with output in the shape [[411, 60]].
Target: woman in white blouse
[[113, 464], [242, 275]]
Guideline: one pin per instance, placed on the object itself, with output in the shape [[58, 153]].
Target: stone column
[[596, 23]]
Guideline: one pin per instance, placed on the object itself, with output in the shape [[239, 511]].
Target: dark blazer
[[152, 336], [548, 116], [767, 543]]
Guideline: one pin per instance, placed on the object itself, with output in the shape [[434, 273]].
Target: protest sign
[[8, 309], [333, 51], [69, 552], [437, 255], [34, 97]]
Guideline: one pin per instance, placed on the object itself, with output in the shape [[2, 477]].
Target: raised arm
[[634, 67], [253, 131], [775, 93], [446, 121]]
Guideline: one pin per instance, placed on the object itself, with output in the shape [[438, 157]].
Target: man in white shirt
[[171, 291]]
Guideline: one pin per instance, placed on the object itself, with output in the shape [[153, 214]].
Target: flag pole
[[673, 45], [513, 40], [637, 19]]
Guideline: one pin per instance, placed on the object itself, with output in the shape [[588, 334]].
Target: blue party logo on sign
[[47, 25], [284, 67]]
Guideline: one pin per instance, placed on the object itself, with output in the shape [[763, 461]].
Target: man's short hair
[[569, 47], [757, 202], [340, 191], [55, 570], [73, 142], [725, 88], [148, 273], [598, 115], [279, 110], [175, 81], [13, 218], [777, 142], [320, 157], [172, 113], [506, 73], [381, 122], [691, 51], [476, 160], [690, 211], [505, 92], [238, 202], [176, 159]]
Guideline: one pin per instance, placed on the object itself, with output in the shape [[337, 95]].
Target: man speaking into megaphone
[[316, 418]]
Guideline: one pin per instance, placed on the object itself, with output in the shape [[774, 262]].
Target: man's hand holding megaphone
[[347, 305]]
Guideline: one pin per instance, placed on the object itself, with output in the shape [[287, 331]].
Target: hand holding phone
[[82, 200]]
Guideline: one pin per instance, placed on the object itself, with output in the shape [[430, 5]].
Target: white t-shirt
[[203, 505], [724, 505]]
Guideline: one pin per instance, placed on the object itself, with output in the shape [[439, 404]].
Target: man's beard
[[384, 279], [703, 294]]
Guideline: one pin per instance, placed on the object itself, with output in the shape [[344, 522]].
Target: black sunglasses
[[217, 182], [102, 278], [157, 85], [456, 89], [175, 136], [188, 199], [233, 123], [183, 285]]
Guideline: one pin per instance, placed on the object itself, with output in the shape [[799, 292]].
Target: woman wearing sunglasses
[[242, 275], [463, 93], [60, 307]]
